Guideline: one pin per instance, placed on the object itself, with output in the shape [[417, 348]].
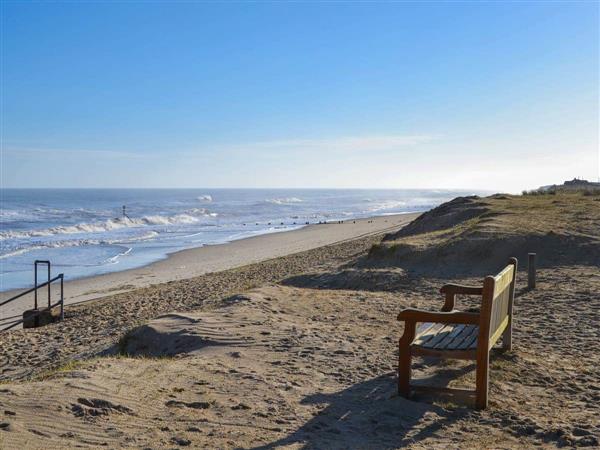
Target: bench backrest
[[497, 303]]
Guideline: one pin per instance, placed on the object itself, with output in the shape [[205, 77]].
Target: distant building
[[572, 185], [577, 183]]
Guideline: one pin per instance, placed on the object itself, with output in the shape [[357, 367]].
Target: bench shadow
[[370, 415]]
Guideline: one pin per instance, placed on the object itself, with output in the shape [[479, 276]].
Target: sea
[[86, 232]]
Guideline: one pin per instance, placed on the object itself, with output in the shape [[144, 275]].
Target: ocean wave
[[391, 204], [10, 213], [189, 217], [204, 198], [19, 251], [201, 212], [283, 201], [77, 243], [38, 214], [115, 259]]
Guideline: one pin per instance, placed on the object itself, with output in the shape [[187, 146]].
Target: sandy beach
[[211, 258], [300, 351]]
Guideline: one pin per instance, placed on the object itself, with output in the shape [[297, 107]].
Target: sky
[[476, 95]]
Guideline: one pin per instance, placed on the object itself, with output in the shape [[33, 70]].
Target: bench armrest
[[412, 316], [419, 315], [451, 290], [455, 289]]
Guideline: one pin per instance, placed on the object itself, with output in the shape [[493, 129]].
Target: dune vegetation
[[470, 233]]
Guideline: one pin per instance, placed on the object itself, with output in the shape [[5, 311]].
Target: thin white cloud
[[265, 150], [347, 143], [354, 144], [77, 153]]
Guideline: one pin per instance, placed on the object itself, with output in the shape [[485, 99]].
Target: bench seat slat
[[427, 331], [443, 343], [448, 337], [465, 339], [426, 327], [443, 334], [471, 341]]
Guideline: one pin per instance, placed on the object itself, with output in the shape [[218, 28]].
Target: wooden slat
[[471, 342], [429, 334], [457, 343], [494, 314], [503, 308], [503, 279], [498, 332], [450, 336], [441, 334], [499, 311], [424, 327], [427, 330]]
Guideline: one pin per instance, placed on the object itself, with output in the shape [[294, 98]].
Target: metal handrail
[[35, 275], [28, 291], [34, 289]]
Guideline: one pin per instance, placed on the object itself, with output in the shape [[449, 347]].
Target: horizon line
[[263, 188]]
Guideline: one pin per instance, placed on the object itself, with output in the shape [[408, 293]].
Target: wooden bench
[[452, 334]]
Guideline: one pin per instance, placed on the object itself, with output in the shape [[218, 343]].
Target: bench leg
[[482, 380], [404, 370]]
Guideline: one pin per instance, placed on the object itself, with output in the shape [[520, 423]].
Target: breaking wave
[[283, 201], [204, 198], [189, 217], [79, 243], [115, 259], [382, 206]]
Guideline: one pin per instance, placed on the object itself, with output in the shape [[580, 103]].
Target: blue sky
[[485, 95]]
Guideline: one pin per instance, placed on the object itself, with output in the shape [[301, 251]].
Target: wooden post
[[531, 271]]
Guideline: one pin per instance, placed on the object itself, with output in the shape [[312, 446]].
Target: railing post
[[49, 292], [531, 271], [35, 285], [62, 298]]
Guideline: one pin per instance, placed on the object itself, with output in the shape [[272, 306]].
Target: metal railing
[[34, 289]]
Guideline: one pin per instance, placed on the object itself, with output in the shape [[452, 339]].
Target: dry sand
[[301, 351], [211, 258]]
